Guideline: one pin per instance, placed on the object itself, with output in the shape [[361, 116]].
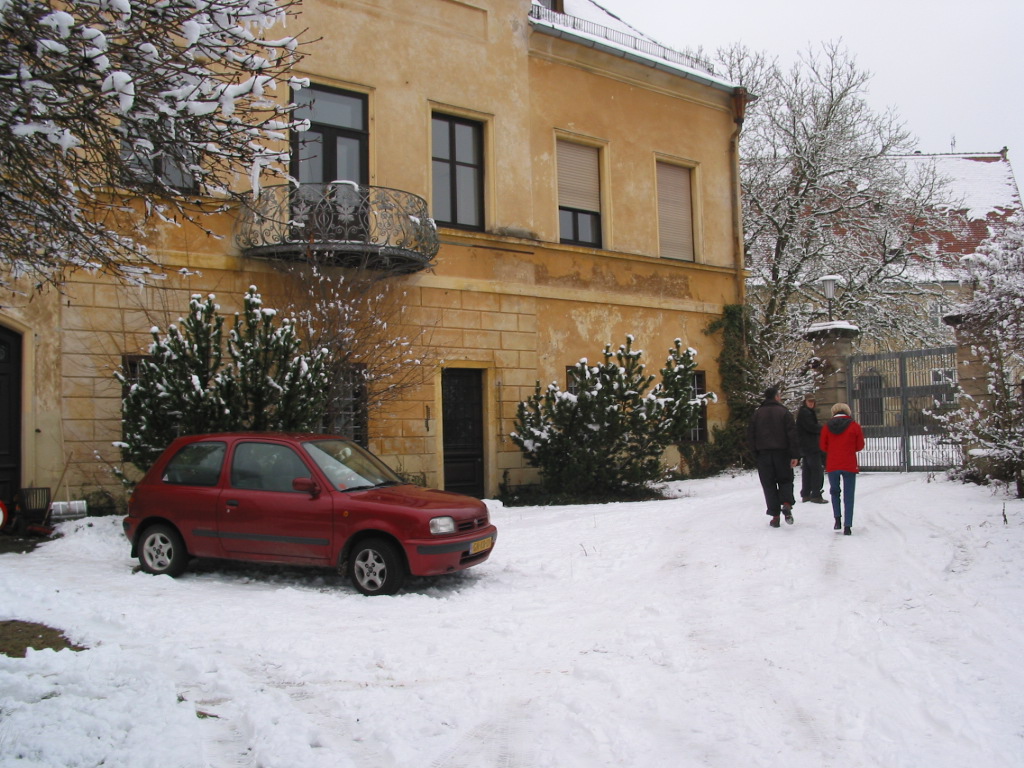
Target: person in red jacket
[[841, 440]]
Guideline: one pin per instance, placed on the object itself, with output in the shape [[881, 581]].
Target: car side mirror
[[306, 485]]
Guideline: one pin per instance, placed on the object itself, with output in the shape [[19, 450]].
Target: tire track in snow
[[496, 743], [224, 745]]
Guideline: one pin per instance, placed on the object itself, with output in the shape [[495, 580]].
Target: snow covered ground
[[670, 634]]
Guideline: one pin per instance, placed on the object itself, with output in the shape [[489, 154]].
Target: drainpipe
[[740, 98]]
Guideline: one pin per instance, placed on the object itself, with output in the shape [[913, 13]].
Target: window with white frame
[[347, 410], [699, 431]]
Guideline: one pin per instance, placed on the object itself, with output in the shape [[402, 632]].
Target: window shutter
[[675, 212], [579, 181]]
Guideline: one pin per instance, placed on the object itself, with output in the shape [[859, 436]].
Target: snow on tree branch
[[992, 324], [825, 193], [106, 102]]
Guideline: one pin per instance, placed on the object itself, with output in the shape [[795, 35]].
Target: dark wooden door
[[10, 415], [463, 400]]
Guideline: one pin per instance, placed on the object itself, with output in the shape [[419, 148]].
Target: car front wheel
[[162, 551], [376, 567]]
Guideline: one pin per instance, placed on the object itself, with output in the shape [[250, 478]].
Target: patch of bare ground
[[16, 637]]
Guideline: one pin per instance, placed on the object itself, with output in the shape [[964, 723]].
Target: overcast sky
[[951, 68]]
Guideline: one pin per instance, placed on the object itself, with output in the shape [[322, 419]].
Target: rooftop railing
[[647, 47]]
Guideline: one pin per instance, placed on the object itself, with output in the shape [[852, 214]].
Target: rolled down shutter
[[675, 212], [579, 181]]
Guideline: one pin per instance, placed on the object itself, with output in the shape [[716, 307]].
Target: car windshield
[[350, 467]]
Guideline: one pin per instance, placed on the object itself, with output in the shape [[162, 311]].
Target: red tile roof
[[983, 196]]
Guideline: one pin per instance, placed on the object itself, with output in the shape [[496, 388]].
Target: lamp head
[[828, 285]]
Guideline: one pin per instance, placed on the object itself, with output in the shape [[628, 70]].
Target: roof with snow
[[590, 24], [983, 195]]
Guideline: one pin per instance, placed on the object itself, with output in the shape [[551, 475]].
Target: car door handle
[[232, 502]]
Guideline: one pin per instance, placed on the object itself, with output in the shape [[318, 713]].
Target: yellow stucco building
[[584, 185]]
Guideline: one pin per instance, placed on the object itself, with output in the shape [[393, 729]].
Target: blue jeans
[[842, 500]]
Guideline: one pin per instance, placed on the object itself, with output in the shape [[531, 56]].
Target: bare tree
[[374, 355], [112, 113], [824, 193]]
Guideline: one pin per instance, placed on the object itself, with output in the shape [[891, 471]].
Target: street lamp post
[[828, 285]]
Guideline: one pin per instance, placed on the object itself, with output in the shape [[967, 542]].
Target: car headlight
[[440, 525]]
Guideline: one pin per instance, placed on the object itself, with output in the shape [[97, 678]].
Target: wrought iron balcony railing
[[341, 223]]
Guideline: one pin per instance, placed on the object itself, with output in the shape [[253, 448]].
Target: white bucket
[[67, 510]]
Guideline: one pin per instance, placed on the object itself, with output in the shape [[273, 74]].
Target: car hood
[[426, 499]]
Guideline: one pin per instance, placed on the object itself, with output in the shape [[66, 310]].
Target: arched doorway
[[10, 414]]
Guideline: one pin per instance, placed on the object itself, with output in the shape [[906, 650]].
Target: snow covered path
[[671, 634]]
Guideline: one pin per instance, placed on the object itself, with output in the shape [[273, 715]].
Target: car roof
[[294, 436]]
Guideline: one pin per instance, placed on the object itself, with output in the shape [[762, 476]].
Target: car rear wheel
[[376, 567], [162, 551]]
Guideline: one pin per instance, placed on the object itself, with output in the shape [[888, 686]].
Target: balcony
[[341, 223]]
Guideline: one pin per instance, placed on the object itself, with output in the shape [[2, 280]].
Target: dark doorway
[[462, 399], [10, 415]]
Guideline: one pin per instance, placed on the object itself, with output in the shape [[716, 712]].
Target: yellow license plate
[[479, 546]]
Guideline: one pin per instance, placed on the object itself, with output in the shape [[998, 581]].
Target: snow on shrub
[[607, 433]]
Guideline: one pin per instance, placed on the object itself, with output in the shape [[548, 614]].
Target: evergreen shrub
[[196, 380], [605, 435]]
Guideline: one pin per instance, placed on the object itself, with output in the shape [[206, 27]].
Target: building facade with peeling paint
[[584, 184]]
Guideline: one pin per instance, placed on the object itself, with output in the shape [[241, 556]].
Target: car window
[[266, 467], [196, 464], [348, 466]]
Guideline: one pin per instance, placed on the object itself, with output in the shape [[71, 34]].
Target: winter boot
[[838, 525], [774, 522], [787, 512], [847, 531]]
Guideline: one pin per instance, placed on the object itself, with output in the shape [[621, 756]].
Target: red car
[[315, 500]]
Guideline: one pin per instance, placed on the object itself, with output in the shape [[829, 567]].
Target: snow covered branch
[[106, 103], [825, 193]]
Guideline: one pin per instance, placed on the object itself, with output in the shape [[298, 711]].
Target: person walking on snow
[[773, 440], [841, 440], [812, 474]]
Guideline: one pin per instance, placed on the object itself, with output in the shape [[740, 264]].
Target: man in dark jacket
[[812, 473], [773, 440]]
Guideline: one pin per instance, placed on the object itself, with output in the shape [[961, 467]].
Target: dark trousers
[[812, 476], [776, 475]]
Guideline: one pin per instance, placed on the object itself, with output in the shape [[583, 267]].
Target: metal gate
[[893, 396]]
